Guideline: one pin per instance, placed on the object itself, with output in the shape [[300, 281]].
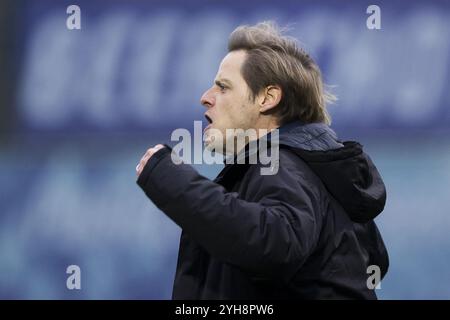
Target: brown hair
[[276, 59]]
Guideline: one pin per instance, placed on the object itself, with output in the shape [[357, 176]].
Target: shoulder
[[284, 164], [286, 172]]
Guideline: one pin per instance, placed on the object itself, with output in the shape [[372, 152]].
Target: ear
[[269, 98]]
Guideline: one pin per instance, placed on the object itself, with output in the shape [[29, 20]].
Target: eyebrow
[[223, 81]]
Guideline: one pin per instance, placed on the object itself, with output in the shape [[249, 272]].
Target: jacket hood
[[345, 170]]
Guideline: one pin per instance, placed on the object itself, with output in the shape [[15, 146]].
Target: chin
[[214, 146], [213, 140]]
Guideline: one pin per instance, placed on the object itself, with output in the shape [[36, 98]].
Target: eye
[[221, 86]]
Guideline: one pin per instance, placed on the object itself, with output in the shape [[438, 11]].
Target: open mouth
[[208, 118]]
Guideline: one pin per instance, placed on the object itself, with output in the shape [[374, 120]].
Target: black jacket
[[305, 232]]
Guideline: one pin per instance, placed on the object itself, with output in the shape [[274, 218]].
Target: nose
[[207, 99]]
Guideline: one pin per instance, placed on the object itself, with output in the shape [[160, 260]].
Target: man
[[306, 231]]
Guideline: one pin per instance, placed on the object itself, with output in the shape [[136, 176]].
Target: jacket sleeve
[[269, 235]]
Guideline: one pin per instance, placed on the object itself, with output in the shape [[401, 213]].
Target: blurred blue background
[[78, 108]]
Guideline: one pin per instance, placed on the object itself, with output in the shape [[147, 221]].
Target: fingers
[[143, 161], [147, 157]]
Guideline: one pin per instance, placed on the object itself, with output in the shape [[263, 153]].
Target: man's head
[[264, 81]]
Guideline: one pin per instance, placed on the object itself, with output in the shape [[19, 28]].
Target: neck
[[265, 125], [262, 127]]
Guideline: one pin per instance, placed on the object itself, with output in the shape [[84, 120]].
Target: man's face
[[228, 102]]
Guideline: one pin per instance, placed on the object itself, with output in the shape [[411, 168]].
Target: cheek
[[232, 112], [246, 115], [224, 112]]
